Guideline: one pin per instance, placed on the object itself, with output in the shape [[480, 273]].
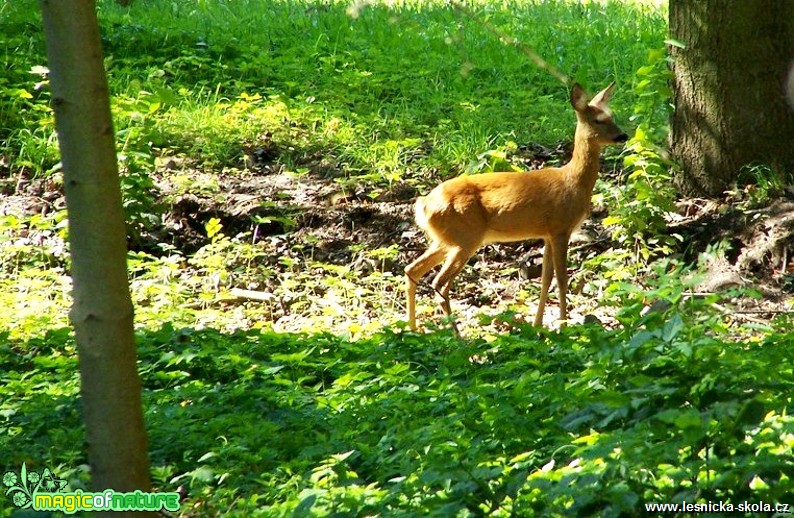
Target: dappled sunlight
[[270, 155]]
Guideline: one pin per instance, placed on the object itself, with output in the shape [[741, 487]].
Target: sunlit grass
[[393, 71]]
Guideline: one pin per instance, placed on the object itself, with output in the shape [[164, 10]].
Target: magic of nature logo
[[46, 492]]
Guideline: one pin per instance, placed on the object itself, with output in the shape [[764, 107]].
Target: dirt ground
[[334, 221]]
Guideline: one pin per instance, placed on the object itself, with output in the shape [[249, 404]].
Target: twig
[[764, 312], [589, 244], [738, 314], [251, 295]]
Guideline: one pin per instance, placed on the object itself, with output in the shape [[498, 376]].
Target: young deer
[[467, 212]]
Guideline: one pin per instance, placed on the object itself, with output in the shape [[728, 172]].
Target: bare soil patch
[[335, 224]]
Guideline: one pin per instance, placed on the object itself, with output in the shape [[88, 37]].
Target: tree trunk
[[102, 313], [729, 89]]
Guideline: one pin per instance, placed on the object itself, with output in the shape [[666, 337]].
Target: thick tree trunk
[[729, 89], [102, 313]]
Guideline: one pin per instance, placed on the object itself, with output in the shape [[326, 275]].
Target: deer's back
[[501, 207]]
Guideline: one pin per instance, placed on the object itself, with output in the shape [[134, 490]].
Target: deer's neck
[[585, 162]]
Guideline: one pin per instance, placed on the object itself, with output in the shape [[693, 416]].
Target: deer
[[462, 214]]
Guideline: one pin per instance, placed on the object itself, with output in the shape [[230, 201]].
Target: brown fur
[[467, 212]]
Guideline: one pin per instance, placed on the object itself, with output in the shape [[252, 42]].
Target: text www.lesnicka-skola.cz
[[720, 507]]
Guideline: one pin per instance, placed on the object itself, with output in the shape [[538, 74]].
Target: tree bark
[[729, 90], [102, 311]]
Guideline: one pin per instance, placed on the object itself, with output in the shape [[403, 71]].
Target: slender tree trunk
[[102, 313], [729, 93]]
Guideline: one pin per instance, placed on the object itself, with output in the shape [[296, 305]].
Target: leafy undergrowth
[[577, 422]]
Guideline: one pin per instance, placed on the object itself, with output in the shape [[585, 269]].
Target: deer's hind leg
[[456, 259], [414, 273]]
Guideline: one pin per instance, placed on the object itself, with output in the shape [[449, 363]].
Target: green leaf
[[203, 474], [207, 456], [306, 504], [757, 484], [672, 327], [689, 419], [751, 413], [213, 227]]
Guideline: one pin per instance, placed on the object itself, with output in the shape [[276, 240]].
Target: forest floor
[[337, 224], [312, 219]]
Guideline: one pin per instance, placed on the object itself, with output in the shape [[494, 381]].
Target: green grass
[[352, 77]]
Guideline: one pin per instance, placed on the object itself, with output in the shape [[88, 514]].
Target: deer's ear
[[603, 96], [578, 98]]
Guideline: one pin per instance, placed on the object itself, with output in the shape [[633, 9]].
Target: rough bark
[[102, 311], [729, 89]]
